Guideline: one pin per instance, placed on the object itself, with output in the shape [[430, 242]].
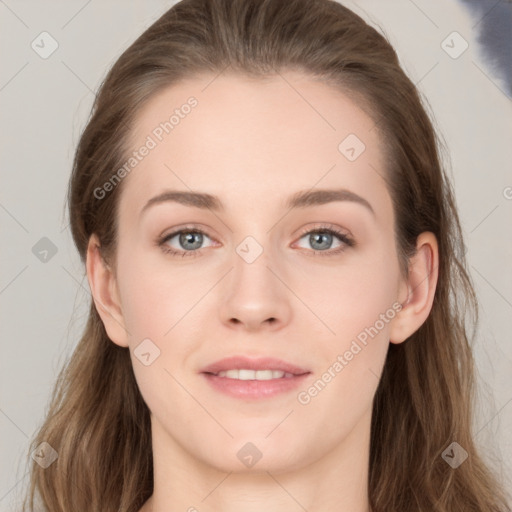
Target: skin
[[253, 143]]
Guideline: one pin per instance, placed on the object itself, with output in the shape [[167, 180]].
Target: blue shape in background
[[495, 36]]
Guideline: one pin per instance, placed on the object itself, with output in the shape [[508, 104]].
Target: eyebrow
[[301, 199]]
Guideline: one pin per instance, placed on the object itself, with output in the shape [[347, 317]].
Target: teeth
[[254, 374]]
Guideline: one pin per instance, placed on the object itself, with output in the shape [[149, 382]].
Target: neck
[[334, 481]]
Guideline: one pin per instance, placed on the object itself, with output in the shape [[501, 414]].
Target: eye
[[188, 241], [322, 238]]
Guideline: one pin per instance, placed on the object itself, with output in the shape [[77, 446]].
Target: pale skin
[[253, 144]]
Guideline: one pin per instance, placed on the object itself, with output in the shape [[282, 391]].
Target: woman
[[278, 280]]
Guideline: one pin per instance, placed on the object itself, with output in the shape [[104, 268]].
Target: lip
[[253, 389]]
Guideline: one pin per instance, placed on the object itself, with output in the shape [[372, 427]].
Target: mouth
[[245, 374], [246, 378]]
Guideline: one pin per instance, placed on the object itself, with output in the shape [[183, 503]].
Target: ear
[[417, 291], [105, 293]]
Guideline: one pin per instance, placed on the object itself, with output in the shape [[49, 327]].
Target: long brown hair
[[97, 420]]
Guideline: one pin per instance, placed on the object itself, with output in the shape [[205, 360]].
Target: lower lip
[[254, 389]]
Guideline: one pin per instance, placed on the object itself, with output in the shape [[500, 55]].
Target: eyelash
[[324, 229]]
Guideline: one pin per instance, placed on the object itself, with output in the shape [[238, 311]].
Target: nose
[[255, 296]]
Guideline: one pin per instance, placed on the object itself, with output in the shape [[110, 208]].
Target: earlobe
[[102, 283], [419, 289]]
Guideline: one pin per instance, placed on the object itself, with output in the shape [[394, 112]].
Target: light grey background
[[45, 103]]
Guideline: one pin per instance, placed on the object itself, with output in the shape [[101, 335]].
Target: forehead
[[254, 139]]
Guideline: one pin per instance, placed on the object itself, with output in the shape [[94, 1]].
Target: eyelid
[[183, 227], [325, 226]]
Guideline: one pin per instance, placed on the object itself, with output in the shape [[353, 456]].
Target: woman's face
[[262, 281]]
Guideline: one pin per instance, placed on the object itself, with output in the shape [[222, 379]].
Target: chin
[[255, 454]]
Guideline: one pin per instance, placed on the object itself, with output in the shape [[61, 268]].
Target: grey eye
[[186, 240], [191, 241], [321, 240]]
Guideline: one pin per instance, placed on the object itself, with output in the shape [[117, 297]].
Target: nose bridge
[[252, 264], [253, 294], [255, 243]]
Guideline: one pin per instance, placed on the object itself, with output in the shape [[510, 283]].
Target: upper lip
[[247, 363]]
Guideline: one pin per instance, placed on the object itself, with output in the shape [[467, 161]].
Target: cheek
[[359, 307], [153, 300], [145, 313], [358, 297], [352, 360]]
